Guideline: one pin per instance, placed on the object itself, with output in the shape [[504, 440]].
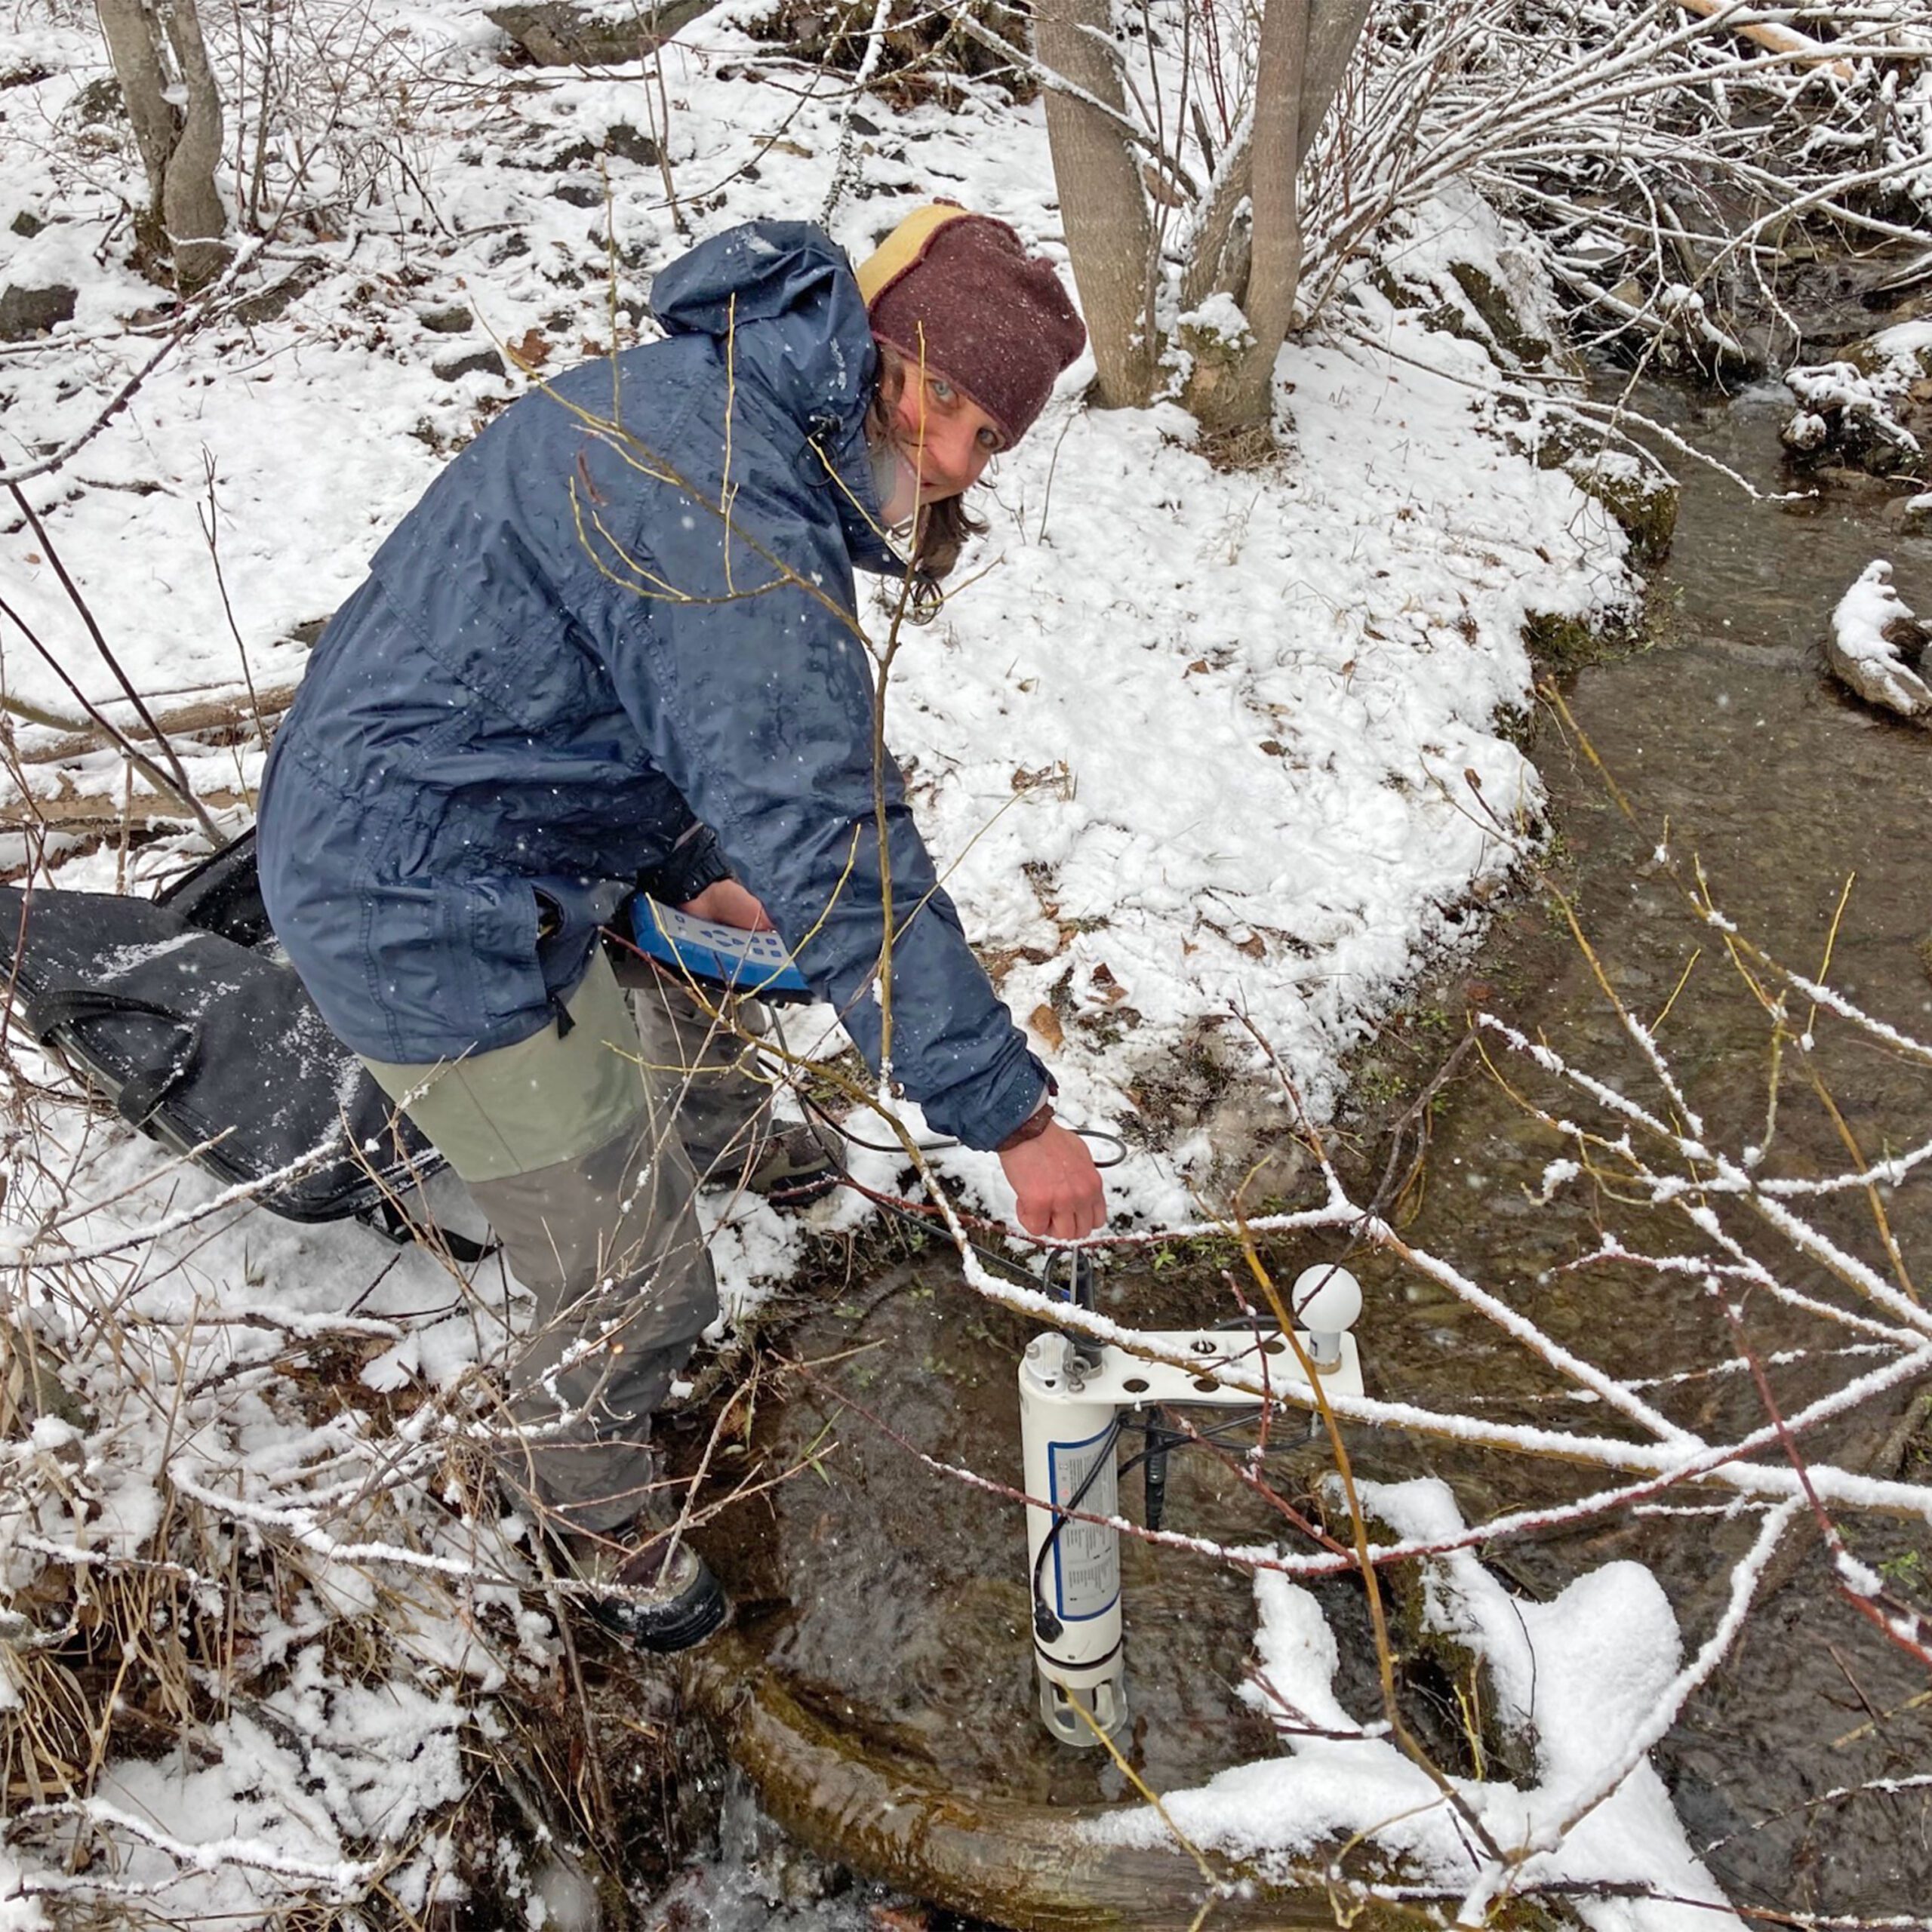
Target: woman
[[618, 639]]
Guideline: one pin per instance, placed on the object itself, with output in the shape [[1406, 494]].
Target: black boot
[[662, 1597]]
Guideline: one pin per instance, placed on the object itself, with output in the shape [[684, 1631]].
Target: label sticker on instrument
[[1086, 1555]]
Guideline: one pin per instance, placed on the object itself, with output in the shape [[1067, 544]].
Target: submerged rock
[[1877, 646]]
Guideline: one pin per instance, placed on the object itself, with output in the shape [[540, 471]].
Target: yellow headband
[[903, 249]]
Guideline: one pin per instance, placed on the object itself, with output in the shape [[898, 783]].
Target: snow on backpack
[[182, 1009]]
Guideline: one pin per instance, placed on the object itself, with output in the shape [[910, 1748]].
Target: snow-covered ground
[[1195, 743], [1190, 739]]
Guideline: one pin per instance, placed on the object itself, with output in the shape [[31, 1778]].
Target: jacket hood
[[785, 294]]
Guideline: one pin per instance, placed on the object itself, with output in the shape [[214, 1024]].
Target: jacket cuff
[[1031, 1128], [1035, 1098], [695, 862]]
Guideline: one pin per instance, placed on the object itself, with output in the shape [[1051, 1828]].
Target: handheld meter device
[[725, 957]]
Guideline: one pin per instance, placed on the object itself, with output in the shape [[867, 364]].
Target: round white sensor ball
[[1325, 1299]]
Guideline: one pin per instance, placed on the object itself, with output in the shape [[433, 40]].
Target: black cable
[[1046, 1624], [999, 1263], [1160, 1439], [838, 1127], [1020, 1277]]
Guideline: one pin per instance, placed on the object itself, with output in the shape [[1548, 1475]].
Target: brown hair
[[941, 529]]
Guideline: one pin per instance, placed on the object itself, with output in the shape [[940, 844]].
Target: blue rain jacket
[[565, 661]]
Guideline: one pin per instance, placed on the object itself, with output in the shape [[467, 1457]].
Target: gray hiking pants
[[580, 1147]]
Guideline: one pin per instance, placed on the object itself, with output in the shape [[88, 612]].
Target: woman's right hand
[[727, 904], [1059, 1188]]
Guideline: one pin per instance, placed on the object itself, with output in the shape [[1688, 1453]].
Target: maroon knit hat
[[958, 294]]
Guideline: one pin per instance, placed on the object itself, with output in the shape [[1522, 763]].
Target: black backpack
[[183, 1010]]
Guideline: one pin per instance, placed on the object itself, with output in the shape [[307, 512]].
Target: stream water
[[1786, 790], [891, 1598]]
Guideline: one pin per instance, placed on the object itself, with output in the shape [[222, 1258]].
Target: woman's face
[[943, 440]]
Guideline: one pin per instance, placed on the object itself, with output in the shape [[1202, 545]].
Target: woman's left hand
[[728, 903]]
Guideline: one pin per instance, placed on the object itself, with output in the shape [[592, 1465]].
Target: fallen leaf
[[1253, 945], [532, 353], [1045, 1022]]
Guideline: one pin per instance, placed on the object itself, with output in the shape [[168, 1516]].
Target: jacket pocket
[[503, 927]]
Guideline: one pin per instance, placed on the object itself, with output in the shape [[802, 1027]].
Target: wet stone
[[554, 34], [627, 144], [27, 312], [456, 320], [475, 362]]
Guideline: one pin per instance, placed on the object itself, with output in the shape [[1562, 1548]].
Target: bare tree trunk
[[1334, 28], [132, 47], [156, 47], [1218, 263], [1212, 267], [192, 205], [1303, 52], [1109, 234], [1238, 393]]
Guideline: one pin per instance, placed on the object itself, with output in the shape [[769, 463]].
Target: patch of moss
[[1500, 317], [1515, 725], [1643, 500], [1443, 1684], [1561, 643]]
